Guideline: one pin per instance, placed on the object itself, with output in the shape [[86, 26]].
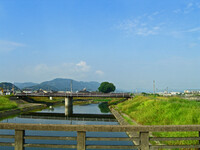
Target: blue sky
[[127, 42]]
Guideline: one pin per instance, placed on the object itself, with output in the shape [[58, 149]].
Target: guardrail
[[143, 138]]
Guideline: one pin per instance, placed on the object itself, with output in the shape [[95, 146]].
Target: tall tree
[[106, 87]]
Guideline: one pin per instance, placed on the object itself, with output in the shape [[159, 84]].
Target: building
[[27, 91], [83, 91]]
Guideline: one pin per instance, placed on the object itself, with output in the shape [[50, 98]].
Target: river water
[[80, 109]]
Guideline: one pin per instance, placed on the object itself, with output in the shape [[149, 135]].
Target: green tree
[[106, 87]]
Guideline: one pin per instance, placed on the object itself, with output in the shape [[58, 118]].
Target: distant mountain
[[8, 86], [25, 84], [60, 84]]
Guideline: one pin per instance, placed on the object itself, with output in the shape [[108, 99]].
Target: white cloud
[[183, 33], [6, 46], [41, 67], [82, 65], [99, 72], [191, 45], [143, 26], [197, 29], [42, 72], [62, 69], [188, 8], [177, 11]]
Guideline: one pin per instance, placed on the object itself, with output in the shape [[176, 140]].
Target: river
[[80, 109]]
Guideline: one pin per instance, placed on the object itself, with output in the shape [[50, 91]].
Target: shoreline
[[122, 121], [22, 109]]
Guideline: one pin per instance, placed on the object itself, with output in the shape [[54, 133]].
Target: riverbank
[[6, 104], [151, 110], [12, 106], [21, 109], [122, 121]]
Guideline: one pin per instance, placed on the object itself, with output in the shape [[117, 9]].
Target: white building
[[175, 93]]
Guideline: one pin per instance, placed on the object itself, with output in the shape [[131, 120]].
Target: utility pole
[[71, 86], [167, 90], [154, 87], [13, 88]]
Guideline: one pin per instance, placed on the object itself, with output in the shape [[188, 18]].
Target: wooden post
[[144, 140], [19, 139], [81, 140]]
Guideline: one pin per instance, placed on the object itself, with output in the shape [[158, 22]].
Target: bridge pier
[[68, 106]]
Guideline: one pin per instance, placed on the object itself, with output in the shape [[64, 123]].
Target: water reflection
[[78, 109]]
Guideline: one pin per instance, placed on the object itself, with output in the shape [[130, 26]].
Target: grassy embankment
[[150, 110], [89, 100], [47, 100], [6, 104]]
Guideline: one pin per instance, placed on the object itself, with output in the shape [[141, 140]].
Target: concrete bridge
[[96, 94], [69, 97], [143, 137]]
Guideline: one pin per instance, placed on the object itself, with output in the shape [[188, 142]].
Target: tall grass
[[151, 110], [6, 104], [161, 110]]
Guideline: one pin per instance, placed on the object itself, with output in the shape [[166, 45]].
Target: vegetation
[[115, 101], [154, 110], [106, 87], [89, 100], [128, 119], [6, 104], [47, 100]]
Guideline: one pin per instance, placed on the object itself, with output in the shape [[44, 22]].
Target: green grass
[[47, 100], [6, 104], [115, 101], [153, 110], [101, 99], [129, 120], [161, 110]]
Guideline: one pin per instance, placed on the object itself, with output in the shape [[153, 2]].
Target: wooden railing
[[143, 138]]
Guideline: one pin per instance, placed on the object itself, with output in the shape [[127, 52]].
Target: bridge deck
[[107, 95]]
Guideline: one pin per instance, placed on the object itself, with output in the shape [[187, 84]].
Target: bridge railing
[[117, 95], [143, 139]]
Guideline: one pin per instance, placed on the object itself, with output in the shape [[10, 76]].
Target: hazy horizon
[[127, 42]]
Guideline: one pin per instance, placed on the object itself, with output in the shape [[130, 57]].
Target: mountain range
[[24, 85], [60, 84]]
